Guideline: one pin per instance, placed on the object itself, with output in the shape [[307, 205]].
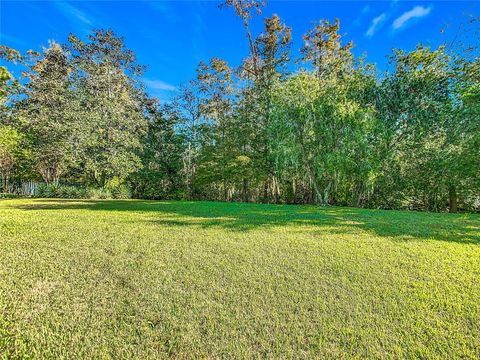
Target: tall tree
[[324, 49], [13, 151], [245, 9], [273, 47], [215, 85], [428, 129], [161, 173], [8, 84], [189, 104], [107, 81], [50, 113], [318, 130]]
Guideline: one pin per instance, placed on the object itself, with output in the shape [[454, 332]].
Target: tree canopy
[[326, 128]]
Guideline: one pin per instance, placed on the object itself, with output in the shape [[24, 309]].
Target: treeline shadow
[[398, 225]]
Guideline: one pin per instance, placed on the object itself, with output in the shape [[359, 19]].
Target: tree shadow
[[397, 225]]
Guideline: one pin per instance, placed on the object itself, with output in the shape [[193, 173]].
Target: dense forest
[[324, 127]]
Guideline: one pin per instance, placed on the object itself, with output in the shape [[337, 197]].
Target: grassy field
[[150, 279]]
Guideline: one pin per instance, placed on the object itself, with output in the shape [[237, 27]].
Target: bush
[[98, 193], [121, 192], [117, 189], [10, 196], [71, 192], [47, 191], [60, 191], [77, 192]]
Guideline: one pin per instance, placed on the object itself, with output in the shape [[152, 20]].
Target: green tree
[[161, 173], [430, 130], [214, 80], [192, 128], [8, 84], [319, 137], [106, 79], [12, 153], [49, 114], [324, 50]]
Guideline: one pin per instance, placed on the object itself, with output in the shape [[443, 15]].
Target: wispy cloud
[[11, 39], [376, 24], [365, 11], [164, 10], [416, 12], [159, 85], [74, 13]]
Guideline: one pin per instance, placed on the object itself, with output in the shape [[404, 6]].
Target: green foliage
[[161, 173], [98, 193], [8, 85], [320, 134], [337, 132], [105, 75], [83, 110], [49, 114], [429, 133], [121, 192], [54, 190], [117, 189], [14, 154], [61, 191], [46, 190], [9, 196]]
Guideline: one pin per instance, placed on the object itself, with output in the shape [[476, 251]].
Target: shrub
[[117, 189], [71, 192], [98, 193], [47, 191], [60, 191], [10, 196], [77, 192], [121, 192], [40, 190]]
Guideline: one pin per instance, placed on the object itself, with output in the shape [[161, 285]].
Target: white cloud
[[416, 12], [164, 10], [73, 12], [159, 85], [377, 23], [358, 20], [11, 39]]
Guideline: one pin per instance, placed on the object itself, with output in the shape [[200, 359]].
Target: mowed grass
[[156, 279]]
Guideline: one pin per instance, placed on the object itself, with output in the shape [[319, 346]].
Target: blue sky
[[171, 37]]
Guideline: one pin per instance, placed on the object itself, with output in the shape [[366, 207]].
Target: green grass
[[150, 279]]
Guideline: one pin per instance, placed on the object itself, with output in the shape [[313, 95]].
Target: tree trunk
[[245, 190], [358, 193], [253, 49], [453, 199]]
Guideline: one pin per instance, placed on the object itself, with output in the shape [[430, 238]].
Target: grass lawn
[[153, 279]]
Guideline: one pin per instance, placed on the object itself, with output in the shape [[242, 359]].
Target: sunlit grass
[[145, 279]]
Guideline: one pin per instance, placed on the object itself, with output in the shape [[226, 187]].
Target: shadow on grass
[[399, 225]]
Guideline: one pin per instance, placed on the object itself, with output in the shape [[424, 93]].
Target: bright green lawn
[[150, 279]]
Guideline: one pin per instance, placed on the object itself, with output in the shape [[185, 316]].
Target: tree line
[[324, 128]]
